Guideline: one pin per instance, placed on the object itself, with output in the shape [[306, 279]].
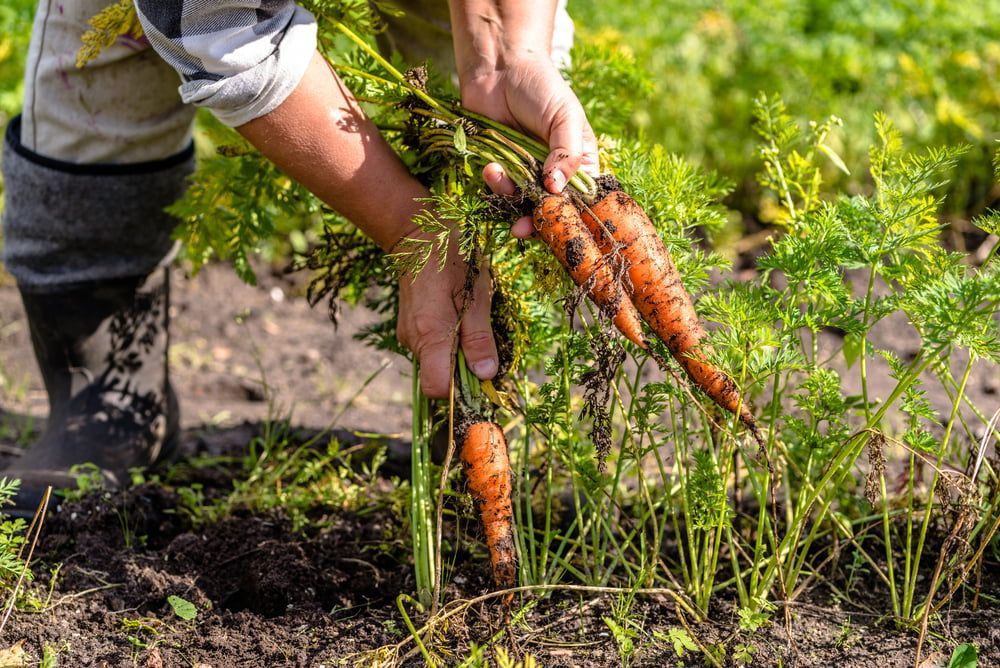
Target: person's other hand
[[530, 94], [429, 305]]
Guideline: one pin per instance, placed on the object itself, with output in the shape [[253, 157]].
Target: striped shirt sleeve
[[238, 58]]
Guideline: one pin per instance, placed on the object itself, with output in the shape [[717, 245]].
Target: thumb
[[476, 334], [566, 143]]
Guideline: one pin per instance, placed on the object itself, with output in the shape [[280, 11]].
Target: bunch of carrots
[[589, 241], [610, 249]]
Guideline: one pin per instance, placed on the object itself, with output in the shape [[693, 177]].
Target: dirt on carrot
[[558, 223], [487, 469], [618, 223]]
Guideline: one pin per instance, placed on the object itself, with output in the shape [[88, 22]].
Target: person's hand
[[429, 305], [530, 94]]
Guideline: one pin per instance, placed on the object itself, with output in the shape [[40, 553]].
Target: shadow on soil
[[268, 595]]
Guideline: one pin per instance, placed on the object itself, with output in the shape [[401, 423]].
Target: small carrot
[[487, 468], [558, 223], [659, 295]]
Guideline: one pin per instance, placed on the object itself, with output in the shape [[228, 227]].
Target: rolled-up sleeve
[[240, 59]]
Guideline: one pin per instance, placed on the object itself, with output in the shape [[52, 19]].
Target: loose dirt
[[267, 595]]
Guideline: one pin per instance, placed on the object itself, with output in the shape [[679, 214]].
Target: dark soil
[[270, 596], [233, 346]]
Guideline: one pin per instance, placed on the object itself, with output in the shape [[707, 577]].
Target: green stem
[[848, 452], [929, 505], [420, 511], [387, 66], [526, 145], [887, 540]]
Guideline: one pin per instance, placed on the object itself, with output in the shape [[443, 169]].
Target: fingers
[[433, 348], [572, 144], [426, 326], [429, 337], [476, 334], [435, 367], [590, 163], [523, 228], [497, 180]]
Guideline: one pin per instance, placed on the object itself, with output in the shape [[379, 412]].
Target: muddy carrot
[[487, 468], [657, 291], [559, 225]]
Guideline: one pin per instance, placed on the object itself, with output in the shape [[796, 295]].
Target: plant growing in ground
[[623, 473], [12, 539], [679, 639]]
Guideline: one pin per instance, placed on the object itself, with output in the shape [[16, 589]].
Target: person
[[98, 152]]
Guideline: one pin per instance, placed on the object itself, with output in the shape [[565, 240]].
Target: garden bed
[[268, 594]]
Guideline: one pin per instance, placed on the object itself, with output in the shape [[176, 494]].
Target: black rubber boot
[[102, 351]]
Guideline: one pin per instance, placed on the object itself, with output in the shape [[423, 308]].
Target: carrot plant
[[625, 473]]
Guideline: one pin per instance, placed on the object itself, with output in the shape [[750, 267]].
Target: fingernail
[[558, 180], [485, 368]]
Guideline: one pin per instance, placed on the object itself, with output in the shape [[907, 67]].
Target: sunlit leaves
[[791, 165], [989, 223], [921, 440], [12, 537], [361, 16], [677, 195], [609, 83], [237, 202], [106, 27]]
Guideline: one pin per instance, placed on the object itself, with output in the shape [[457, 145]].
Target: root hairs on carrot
[[559, 225], [619, 225]]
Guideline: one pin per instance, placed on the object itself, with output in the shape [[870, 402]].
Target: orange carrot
[[559, 225], [487, 468], [659, 295]]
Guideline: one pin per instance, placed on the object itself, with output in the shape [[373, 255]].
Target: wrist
[[489, 35], [483, 72], [403, 226]]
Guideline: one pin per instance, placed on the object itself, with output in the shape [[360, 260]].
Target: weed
[[129, 537], [751, 620], [141, 633], [89, 480], [184, 609], [845, 637], [504, 660], [12, 538], [392, 627], [678, 639], [743, 654], [50, 654], [964, 656], [626, 628]]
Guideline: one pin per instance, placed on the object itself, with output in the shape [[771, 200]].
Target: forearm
[[489, 32], [320, 137]]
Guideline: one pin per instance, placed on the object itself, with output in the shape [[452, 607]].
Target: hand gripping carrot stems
[[443, 127]]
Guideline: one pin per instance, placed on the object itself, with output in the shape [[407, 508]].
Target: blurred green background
[[932, 65], [15, 30]]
